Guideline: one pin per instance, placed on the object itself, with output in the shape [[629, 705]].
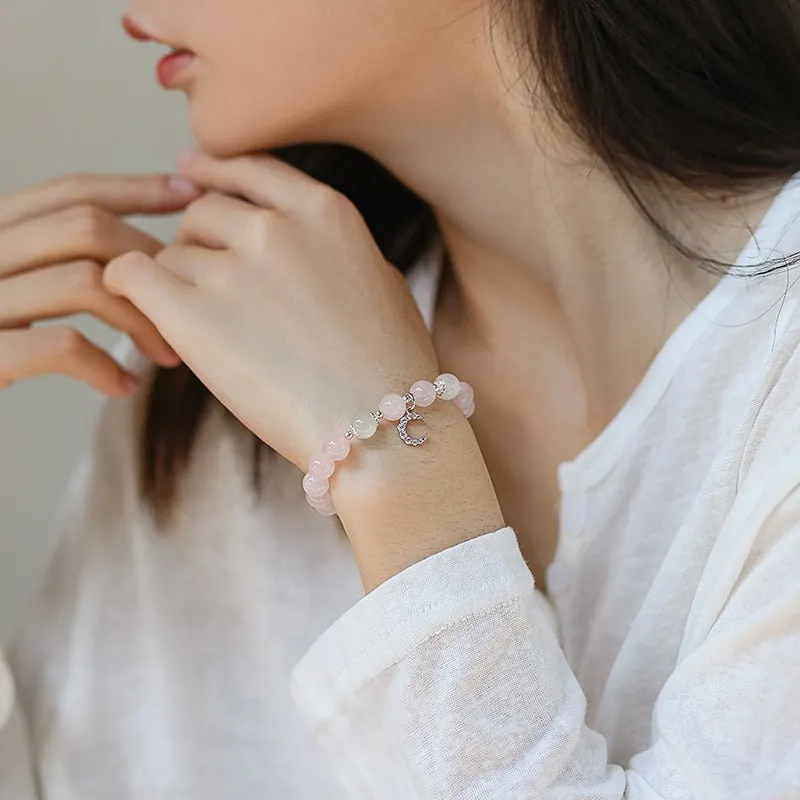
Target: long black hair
[[703, 93]]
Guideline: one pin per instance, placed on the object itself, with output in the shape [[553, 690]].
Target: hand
[[276, 295], [55, 240]]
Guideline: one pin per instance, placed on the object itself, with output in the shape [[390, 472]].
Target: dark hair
[[705, 93]]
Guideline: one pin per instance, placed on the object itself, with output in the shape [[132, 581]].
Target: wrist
[[401, 504]]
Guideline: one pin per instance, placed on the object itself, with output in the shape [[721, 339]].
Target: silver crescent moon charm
[[402, 428]]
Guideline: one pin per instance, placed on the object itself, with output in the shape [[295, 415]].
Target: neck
[[542, 241]]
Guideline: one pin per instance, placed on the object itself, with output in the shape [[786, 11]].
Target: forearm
[[401, 504]]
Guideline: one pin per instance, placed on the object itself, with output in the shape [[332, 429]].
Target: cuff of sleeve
[[7, 695], [465, 580]]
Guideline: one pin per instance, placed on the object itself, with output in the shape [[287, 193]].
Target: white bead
[[365, 425], [450, 384]]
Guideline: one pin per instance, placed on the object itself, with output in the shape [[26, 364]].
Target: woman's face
[[273, 72]]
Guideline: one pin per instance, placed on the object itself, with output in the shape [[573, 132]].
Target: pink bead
[[336, 447], [424, 393], [321, 466], [467, 409], [393, 406], [314, 486], [324, 504], [465, 400], [319, 501], [466, 394]]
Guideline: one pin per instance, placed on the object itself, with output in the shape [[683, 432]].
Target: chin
[[220, 133]]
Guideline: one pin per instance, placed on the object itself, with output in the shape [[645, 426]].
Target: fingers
[[155, 291], [220, 222], [117, 194], [39, 351], [264, 180], [72, 288], [80, 232], [197, 265]]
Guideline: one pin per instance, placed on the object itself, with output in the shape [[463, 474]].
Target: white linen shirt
[[236, 656]]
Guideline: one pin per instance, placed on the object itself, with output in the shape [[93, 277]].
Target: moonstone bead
[[315, 486], [451, 384], [424, 393], [365, 425], [321, 466], [393, 406]]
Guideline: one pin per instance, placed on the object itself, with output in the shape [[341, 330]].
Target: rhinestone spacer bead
[[337, 446]]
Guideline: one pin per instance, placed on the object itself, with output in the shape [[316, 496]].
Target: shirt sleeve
[[448, 682]]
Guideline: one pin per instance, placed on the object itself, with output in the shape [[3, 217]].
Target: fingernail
[[182, 186], [187, 158]]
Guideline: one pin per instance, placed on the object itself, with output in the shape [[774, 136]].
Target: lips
[[170, 67]]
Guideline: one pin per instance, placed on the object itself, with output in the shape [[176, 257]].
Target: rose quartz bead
[[467, 409], [336, 447], [321, 466], [467, 393], [319, 501], [451, 385], [314, 486], [393, 406], [424, 393], [323, 505]]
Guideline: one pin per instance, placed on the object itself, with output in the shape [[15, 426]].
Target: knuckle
[[86, 277], [91, 225], [219, 278], [262, 226], [326, 202], [329, 205], [65, 343], [74, 184]]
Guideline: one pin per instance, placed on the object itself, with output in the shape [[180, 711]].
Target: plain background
[[76, 95]]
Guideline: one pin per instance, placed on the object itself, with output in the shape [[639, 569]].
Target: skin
[[559, 294]]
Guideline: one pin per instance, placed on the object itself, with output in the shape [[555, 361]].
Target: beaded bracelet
[[394, 407]]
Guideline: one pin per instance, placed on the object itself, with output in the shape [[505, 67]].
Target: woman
[[588, 588]]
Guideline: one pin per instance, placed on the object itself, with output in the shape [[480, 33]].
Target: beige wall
[[75, 95]]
